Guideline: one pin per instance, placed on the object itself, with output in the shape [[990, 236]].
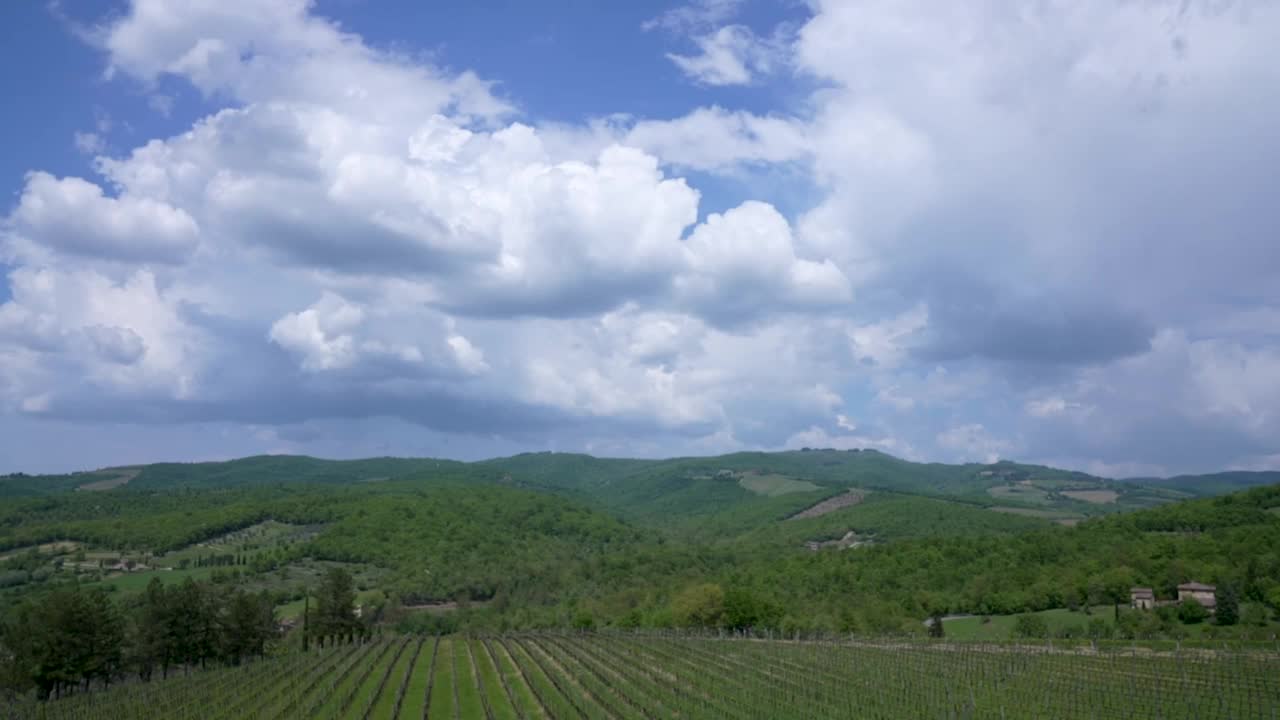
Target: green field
[[773, 485], [1000, 627], [137, 581], [549, 675]]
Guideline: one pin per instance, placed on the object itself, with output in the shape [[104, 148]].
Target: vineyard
[[630, 677]]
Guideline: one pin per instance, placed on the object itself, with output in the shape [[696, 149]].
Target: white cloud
[[694, 16], [74, 216], [885, 343], [89, 143], [816, 437], [321, 333], [280, 52], [742, 263], [731, 55], [162, 104], [74, 327], [715, 139], [973, 442], [468, 357], [1054, 405]]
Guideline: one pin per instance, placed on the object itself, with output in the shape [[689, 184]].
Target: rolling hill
[[740, 489]]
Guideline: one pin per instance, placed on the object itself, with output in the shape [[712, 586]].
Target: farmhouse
[[1141, 598], [1201, 593]]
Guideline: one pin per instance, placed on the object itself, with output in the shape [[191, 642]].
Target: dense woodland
[[503, 548]]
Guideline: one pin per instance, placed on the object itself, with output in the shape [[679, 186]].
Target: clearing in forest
[[1064, 518], [831, 504], [1021, 492], [1097, 497], [110, 478], [774, 485]]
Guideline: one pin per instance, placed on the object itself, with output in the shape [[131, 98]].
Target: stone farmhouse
[[1201, 593], [1142, 598]]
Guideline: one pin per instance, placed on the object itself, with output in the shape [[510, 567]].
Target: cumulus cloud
[[743, 263], [716, 139], [73, 215], [320, 334]]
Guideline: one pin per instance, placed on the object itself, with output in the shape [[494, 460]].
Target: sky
[[957, 232]]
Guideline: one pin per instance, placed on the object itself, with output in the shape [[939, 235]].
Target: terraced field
[[635, 677]]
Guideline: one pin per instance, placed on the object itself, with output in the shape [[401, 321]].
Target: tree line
[[75, 638]]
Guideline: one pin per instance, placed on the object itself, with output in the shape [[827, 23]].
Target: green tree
[[149, 645], [1030, 626], [699, 606], [1191, 612], [335, 606], [70, 637], [248, 622], [744, 609], [936, 629], [1228, 606]]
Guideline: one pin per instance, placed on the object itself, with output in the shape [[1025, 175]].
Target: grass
[[442, 685], [396, 678], [773, 485], [1097, 497], [525, 700], [137, 581], [1020, 493], [493, 685], [469, 703], [294, 608], [111, 479], [413, 707], [1056, 515], [1000, 627]]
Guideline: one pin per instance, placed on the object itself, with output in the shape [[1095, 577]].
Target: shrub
[[1030, 626], [1191, 612]]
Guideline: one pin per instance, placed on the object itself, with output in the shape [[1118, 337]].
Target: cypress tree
[[1228, 606]]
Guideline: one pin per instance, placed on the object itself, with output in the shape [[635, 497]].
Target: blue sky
[[347, 228]]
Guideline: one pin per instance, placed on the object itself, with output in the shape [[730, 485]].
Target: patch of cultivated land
[[774, 485], [632, 677], [1093, 496], [58, 547], [853, 497], [1021, 492], [111, 478], [1061, 518]]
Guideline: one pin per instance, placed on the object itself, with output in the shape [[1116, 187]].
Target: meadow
[[663, 675]]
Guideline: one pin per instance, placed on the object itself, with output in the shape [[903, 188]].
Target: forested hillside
[[512, 551]]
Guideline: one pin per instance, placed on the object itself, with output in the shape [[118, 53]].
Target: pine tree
[[335, 611]]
